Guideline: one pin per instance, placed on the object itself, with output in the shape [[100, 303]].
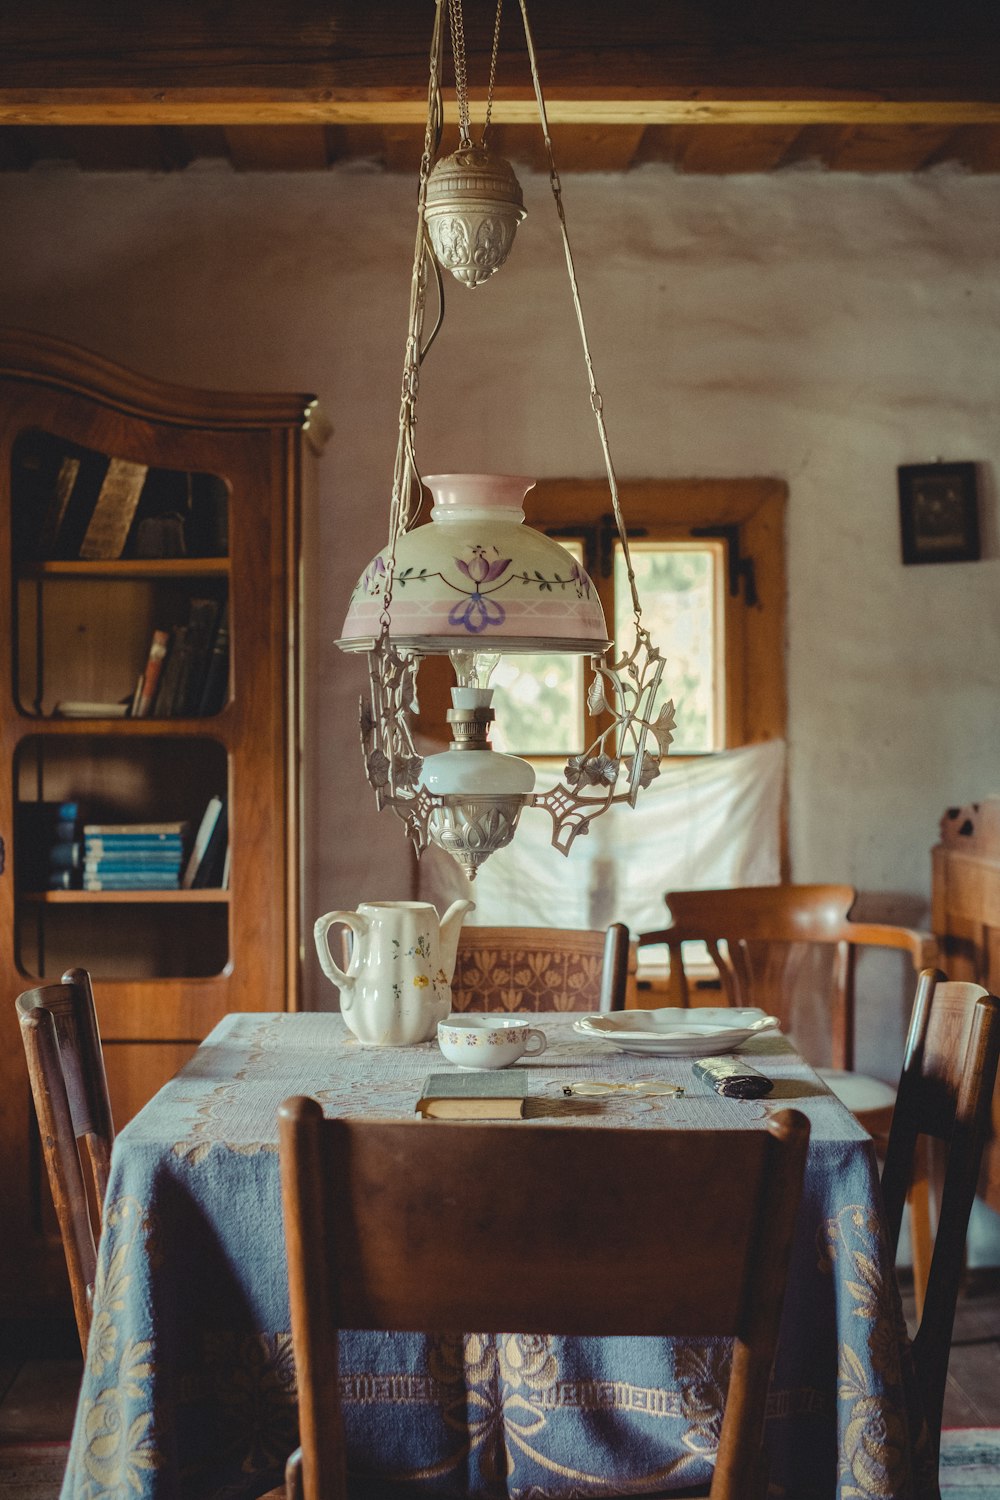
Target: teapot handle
[[321, 928]]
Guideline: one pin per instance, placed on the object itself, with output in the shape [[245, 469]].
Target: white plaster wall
[[819, 328]]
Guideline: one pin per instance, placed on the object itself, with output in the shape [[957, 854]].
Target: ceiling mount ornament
[[474, 200], [476, 582]]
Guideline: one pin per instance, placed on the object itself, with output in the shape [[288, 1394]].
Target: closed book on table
[[489, 1095]]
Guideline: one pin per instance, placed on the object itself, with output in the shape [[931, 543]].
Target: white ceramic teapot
[[397, 986]]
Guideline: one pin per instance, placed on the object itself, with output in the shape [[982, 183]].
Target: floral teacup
[[488, 1041]]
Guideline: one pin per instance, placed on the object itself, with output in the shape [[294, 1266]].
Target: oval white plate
[[672, 1032]]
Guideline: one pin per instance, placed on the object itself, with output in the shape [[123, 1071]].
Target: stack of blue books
[[50, 848], [133, 856]]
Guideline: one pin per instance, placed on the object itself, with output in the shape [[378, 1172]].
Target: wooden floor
[[972, 1398], [39, 1383]]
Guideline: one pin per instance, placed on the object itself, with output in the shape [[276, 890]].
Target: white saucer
[[672, 1032]]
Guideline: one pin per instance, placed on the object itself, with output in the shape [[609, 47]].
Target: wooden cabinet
[[216, 521], [965, 916]]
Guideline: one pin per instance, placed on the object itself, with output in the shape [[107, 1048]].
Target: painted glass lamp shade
[[477, 578]]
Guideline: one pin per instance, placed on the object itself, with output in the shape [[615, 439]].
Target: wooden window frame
[[748, 514]]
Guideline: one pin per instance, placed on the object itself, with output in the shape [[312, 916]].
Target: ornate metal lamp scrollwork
[[476, 582]]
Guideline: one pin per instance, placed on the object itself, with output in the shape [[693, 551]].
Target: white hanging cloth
[[712, 820]]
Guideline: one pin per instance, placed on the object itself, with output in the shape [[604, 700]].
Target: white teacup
[[488, 1041]]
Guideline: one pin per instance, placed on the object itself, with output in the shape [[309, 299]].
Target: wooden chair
[[62, 1045], [383, 1221], [945, 1093], [542, 968], [764, 940]]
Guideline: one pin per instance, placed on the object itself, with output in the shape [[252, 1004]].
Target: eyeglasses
[[642, 1087]]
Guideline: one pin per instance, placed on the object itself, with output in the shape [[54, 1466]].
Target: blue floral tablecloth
[[189, 1381]]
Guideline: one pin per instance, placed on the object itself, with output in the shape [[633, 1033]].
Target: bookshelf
[[134, 514]]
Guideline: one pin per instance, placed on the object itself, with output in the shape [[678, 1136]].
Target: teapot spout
[[451, 926]]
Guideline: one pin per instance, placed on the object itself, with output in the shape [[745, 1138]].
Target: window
[[709, 562], [540, 699], [708, 557]]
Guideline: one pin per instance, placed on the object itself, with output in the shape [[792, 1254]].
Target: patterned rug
[[970, 1463]]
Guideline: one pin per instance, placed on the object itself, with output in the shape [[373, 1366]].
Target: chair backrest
[[541, 968], [62, 1045], [771, 942], [484, 1227], [945, 1092]]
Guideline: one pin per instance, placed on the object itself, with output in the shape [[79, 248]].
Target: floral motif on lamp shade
[[474, 574]]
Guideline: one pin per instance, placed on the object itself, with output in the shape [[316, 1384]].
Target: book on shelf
[[78, 508], [43, 476], [130, 849], [111, 519], [150, 851], [140, 881], [66, 854], [498, 1095], [49, 843], [149, 682], [215, 687], [81, 708], [136, 830], [198, 642], [52, 520], [213, 815], [209, 873], [126, 856], [63, 880], [173, 675], [49, 816], [129, 863]]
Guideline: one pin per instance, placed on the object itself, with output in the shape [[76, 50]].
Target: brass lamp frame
[[623, 691]]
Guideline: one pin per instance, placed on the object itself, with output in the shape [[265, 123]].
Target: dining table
[[188, 1390]]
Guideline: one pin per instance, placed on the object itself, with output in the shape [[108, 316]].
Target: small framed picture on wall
[[938, 512]]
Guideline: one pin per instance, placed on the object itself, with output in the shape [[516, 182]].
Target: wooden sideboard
[[965, 916]]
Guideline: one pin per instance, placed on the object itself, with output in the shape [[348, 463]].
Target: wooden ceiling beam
[[299, 148], [903, 149], [732, 148], [636, 63], [192, 107]]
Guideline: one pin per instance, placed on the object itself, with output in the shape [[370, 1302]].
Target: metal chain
[[461, 77], [493, 72], [405, 474], [596, 399], [457, 21]]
